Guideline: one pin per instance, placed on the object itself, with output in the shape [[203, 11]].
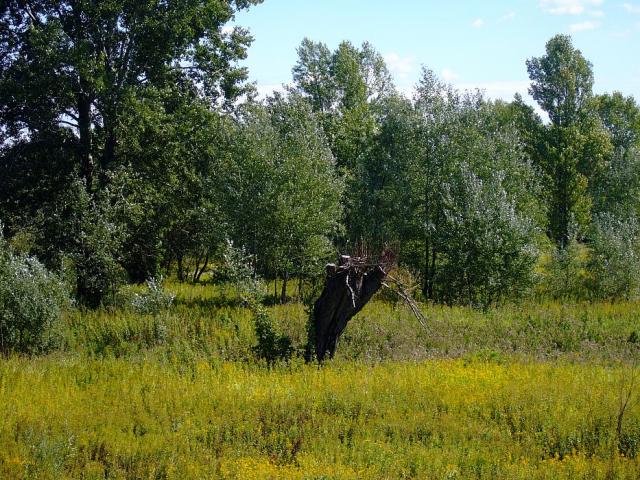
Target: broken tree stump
[[348, 287]]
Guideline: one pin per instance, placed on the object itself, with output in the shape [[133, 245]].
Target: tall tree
[[562, 81], [72, 64], [470, 175], [282, 189], [621, 117], [577, 145], [347, 87]]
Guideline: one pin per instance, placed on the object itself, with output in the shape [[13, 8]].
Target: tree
[[72, 64], [347, 88], [618, 189], [614, 262], [487, 247], [621, 117], [313, 77], [468, 163], [577, 146], [528, 124], [562, 80], [178, 146], [282, 190], [380, 195]]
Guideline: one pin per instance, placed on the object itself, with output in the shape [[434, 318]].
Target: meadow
[[519, 391]]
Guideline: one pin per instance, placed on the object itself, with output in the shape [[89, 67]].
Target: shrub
[[155, 300], [238, 269], [84, 229], [614, 264], [31, 301], [565, 275], [271, 345], [487, 247]]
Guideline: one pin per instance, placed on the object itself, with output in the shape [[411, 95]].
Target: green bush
[[614, 263], [271, 345], [154, 300], [565, 273], [31, 301], [488, 248]]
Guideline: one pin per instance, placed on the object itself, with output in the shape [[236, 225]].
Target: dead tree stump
[[348, 287]]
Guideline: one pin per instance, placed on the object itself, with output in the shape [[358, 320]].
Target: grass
[[209, 322], [530, 391], [66, 417]]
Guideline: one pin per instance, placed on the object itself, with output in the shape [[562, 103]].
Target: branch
[[64, 122], [406, 297], [32, 16]]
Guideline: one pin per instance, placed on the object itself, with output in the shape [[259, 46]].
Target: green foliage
[[86, 230], [621, 117], [271, 346], [118, 50], [578, 146], [282, 160], [487, 246], [154, 299], [474, 197], [565, 274], [614, 264], [31, 303], [562, 80], [617, 191]]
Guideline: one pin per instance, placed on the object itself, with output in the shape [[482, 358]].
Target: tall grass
[[66, 417], [210, 322], [519, 392]]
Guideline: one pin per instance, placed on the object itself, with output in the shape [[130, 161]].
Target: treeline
[[132, 146]]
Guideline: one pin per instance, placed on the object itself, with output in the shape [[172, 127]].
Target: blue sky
[[471, 44]]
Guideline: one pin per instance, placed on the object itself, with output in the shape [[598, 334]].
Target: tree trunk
[[109, 147], [283, 294], [205, 264], [347, 290], [84, 128], [275, 289], [180, 268]]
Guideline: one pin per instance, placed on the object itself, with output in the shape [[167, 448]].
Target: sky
[[470, 44]]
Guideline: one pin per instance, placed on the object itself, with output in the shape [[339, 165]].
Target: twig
[[404, 295]]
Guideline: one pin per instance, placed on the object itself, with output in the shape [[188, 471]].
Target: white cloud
[[631, 8], [401, 67], [508, 17], [596, 13], [583, 26], [477, 23], [449, 75], [227, 29], [568, 7]]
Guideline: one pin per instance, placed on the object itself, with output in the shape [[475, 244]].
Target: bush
[[272, 346], [565, 275], [487, 246], [84, 229], [154, 300], [614, 264], [31, 301]]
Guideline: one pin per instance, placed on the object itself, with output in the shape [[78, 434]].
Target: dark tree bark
[[283, 293], [84, 128], [348, 288]]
